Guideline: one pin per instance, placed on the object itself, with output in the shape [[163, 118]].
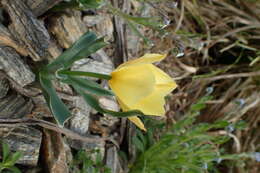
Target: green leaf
[[14, 169], [85, 74], [15, 157], [57, 107], [89, 86], [91, 3], [6, 151], [138, 143], [93, 102], [83, 47]]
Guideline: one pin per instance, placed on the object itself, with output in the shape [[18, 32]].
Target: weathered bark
[[27, 29]]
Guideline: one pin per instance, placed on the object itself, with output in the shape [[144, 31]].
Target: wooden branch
[[39, 7], [27, 29], [14, 67]]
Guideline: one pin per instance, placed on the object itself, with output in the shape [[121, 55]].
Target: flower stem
[[87, 74]]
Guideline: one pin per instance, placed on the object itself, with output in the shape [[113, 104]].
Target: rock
[[67, 28], [27, 29], [39, 7], [111, 104], [91, 65], [112, 160], [101, 56], [24, 139], [14, 67], [102, 24], [89, 146], [54, 152], [4, 87], [41, 108], [15, 106], [80, 116]]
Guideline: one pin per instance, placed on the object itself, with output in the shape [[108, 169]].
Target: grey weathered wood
[[39, 7], [14, 67], [27, 29], [24, 139], [15, 106]]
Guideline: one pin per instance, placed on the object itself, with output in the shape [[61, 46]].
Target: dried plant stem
[[229, 76]]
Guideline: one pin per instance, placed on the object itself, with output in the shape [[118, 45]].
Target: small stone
[[90, 65], [79, 122], [102, 24], [110, 104]]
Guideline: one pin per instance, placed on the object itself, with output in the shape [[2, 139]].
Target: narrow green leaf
[[91, 3], [57, 107], [93, 102], [14, 169], [83, 47], [86, 74], [15, 157], [6, 151], [87, 85], [138, 143]]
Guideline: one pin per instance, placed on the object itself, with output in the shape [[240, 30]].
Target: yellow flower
[[138, 84]]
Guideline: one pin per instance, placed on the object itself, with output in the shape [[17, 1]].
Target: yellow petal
[[122, 105], [134, 119], [146, 59], [160, 76], [154, 103], [137, 122], [130, 84]]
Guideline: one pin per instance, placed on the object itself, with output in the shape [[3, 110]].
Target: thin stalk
[[87, 74]]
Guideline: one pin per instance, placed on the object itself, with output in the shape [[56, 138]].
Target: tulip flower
[[139, 85]]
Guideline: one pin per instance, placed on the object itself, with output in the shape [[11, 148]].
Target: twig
[[229, 76], [53, 127], [181, 17]]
